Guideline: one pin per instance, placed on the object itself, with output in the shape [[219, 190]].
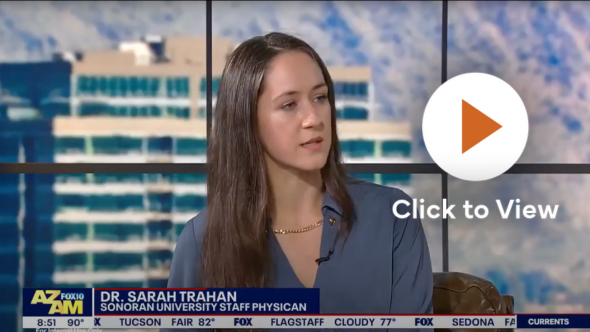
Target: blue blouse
[[383, 268]]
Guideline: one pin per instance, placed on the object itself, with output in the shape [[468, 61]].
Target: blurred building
[[143, 102]]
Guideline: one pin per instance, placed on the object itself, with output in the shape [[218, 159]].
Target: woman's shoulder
[[374, 207], [195, 227], [184, 266], [188, 243], [368, 194]]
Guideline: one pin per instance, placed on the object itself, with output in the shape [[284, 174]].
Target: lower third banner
[[314, 321], [278, 322]]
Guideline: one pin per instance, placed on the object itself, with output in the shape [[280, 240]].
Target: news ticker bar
[[263, 308], [548, 321]]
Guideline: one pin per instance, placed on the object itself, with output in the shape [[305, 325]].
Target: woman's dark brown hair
[[235, 250]]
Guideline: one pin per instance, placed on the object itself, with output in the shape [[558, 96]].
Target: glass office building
[[12, 250], [26, 215], [95, 91], [133, 106]]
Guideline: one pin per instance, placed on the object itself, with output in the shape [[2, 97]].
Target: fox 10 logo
[[61, 303]]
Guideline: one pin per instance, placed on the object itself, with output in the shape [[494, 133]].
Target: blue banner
[[57, 302], [206, 301], [553, 321]]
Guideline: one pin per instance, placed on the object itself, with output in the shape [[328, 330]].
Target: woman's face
[[294, 114]]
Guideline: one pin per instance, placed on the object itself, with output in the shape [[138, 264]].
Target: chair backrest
[[461, 293]]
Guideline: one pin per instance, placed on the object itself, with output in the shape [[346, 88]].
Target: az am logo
[[57, 306]]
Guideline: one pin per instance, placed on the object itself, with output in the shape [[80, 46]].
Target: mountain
[[541, 48]]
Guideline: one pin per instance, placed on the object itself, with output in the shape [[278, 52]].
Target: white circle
[[442, 127]]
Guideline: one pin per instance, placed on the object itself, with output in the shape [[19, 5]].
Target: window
[[104, 89], [93, 85], [123, 86], [69, 201], [71, 178], [74, 285], [160, 230], [9, 233], [117, 145], [83, 83], [157, 283], [55, 109], [358, 148], [153, 86], [42, 182], [9, 183], [178, 112], [189, 203], [39, 147], [177, 87], [113, 88], [178, 229], [161, 202], [396, 179], [354, 113], [93, 109], [119, 284], [202, 112], [11, 145], [170, 88], [103, 86], [70, 145], [141, 86], [532, 75], [119, 232], [42, 268], [160, 145], [351, 90], [114, 203], [134, 111], [144, 111], [10, 294], [183, 85], [396, 148], [159, 259], [512, 253], [133, 86], [159, 178], [117, 261], [155, 111], [70, 262], [118, 178], [191, 146], [70, 231], [190, 178], [99, 202]]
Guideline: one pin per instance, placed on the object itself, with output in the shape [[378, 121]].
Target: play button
[[475, 127]]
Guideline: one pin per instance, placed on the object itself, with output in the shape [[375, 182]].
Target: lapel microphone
[[325, 258]]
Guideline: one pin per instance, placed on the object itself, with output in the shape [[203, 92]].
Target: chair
[[461, 293]]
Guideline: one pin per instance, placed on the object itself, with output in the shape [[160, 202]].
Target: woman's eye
[[288, 106], [321, 98]]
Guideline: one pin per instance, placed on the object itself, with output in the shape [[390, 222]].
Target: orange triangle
[[476, 126]]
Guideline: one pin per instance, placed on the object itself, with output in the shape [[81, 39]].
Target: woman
[[279, 199]]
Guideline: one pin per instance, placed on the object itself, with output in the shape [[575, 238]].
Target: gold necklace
[[300, 230]]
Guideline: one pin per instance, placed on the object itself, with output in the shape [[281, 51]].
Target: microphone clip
[[325, 258]]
